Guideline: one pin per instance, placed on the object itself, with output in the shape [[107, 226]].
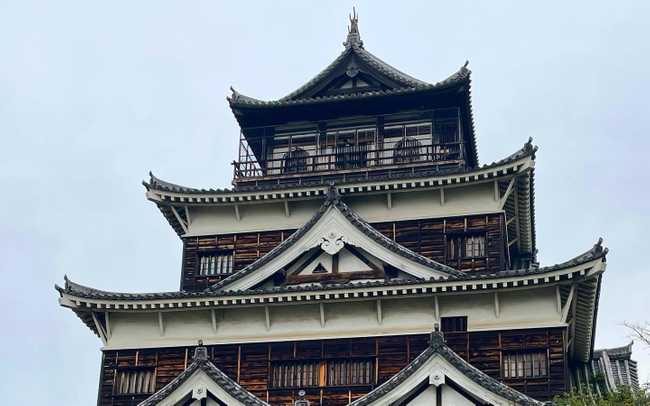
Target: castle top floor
[[359, 117]]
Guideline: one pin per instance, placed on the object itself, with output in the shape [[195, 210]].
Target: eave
[[170, 197], [582, 272]]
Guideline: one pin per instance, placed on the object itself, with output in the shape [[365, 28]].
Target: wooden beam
[[161, 324], [389, 200], [363, 259], [335, 263], [497, 194], [187, 216], [213, 317], [322, 314], [237, 215], [442, 196], [100, 329], [516, 204], [505, 196], [267, 314], [510, 220], [567, 304], [497, 305], [178, 218], [287, 211], [380, 317], [436, 309], [108, 325], [510, 243]]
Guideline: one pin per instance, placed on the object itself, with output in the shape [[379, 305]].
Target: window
[[350, 372], [407, 150], [318, 373], [295, 374], [465, 247], [295, 161], [453, 324], [135, 381], [216, 263], [531, 364]]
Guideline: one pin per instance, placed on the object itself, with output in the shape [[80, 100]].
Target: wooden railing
[[309, 160]]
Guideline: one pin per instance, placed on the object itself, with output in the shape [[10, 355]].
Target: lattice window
[[321, 373], [135, 381], [531, 364], [453, 324], [216, 263], [465, 247], [350, 372], [295, 374]]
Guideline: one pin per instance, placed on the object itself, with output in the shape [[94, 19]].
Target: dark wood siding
[[427, 237], [249, 364]]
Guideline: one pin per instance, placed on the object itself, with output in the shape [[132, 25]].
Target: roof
[[438, 348], [616, 352], [81, 291], [333, 200], [202, 363], [583, 271], [352, 59]]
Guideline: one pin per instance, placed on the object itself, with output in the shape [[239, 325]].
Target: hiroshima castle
[[362, 256]]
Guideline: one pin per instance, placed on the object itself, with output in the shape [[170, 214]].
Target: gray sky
[[93, 95]]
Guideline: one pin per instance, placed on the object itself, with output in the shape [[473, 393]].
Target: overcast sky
[[93, 95]]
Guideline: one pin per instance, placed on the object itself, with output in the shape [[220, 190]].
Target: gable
[[439, 376], [348, 74], [340, 233], [197, 387]]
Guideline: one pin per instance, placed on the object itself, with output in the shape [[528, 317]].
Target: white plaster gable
[[331, 233], [200, 386], [438, 372]]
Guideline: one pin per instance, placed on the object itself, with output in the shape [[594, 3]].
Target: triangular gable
[[440, 376], [202, 380], [355, 70], [332, 228]]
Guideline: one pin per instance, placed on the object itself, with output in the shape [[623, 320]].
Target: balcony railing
[[311, 160]]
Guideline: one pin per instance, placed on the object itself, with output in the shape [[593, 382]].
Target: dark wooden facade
[[428, 237], [250, 364]]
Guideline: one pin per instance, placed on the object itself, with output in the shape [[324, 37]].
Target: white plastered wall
[[459, 201], [518, 309]]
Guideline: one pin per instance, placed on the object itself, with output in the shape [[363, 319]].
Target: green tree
[[624, 396]]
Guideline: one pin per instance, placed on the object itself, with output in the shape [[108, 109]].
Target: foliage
[[622, 397]]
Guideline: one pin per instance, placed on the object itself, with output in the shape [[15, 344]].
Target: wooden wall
[[249, 364], [427, 237]]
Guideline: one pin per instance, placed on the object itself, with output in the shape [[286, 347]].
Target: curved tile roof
[[202, 363], [77, 290], [404, 83], [438, 347]]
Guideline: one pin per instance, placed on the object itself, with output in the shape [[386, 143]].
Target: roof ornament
[[333, 192], [200, 352], [354, 38], [437, 338]]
